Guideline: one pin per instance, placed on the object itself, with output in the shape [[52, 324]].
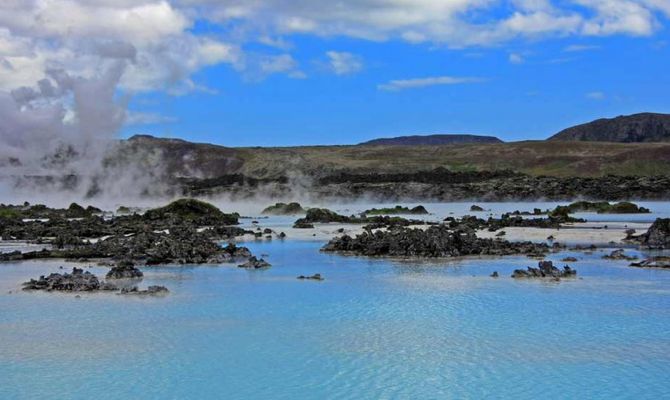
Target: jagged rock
[[658, 235], [125, 270], [545, 269], [254, 263], [315, 277]]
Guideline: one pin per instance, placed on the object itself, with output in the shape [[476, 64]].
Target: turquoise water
[[374, 329]]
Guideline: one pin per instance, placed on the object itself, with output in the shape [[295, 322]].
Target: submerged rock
[[619, 254], [154, 290], [545, 269], [315, 277], [255, 263], [653, 262]]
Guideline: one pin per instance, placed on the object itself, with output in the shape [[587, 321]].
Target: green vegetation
[[418, 210], [284, 209]]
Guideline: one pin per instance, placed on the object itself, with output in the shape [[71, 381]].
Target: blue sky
[[524, 90], [302, 72]]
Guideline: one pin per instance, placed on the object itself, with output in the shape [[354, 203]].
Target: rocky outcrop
[[195, 211], [436, 241], [545, 269], [124, 270], [657, 236], [76, 281]]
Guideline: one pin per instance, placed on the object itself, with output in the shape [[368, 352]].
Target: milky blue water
[[374, 329]]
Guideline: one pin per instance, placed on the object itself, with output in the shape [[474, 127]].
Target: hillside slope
[[636, 128], [556, 158]]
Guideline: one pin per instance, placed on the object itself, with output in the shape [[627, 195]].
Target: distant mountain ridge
[[636, 128], [417, 140]]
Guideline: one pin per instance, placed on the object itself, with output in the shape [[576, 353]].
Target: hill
[[636, 128], [418, 140]]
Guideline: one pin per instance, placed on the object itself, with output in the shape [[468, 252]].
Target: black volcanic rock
[[125, 270], [77, 281], [255, 263], [658, 234], [418, 140], [436, 241], [644, 127]]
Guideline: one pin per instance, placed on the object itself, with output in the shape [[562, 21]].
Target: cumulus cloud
[[416, 83], [343, 63], [457, 23], [80, 35]]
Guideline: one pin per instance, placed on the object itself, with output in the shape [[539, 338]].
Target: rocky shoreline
[[442, 185], [186, 231]]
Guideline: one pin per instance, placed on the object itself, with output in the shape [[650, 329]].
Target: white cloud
[[343, 63], [81, 36], [457, 23], [415, 83], [516, 58], [579, 47], [595, 95]]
